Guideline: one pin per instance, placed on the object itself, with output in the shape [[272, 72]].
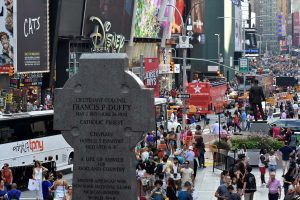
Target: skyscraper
[[267, 26]]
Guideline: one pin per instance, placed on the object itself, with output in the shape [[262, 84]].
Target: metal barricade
[[222, 161]]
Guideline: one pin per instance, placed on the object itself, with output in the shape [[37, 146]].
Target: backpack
[[251, 183], [159, 168]]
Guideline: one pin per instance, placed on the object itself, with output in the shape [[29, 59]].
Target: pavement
[[208, 181], [206, 184]]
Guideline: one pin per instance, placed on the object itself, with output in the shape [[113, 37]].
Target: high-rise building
[[267, 26], [295, 6]]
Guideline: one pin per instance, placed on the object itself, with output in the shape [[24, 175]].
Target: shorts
[[262, 170]]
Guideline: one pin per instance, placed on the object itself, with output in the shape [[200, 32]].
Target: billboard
[[289, 24], [197, 16], [6, 36], [147, 25], [296, 28], [176, 25], [151, 78], [31, 34], [119, 13]]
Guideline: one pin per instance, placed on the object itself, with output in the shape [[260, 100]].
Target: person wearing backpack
[[249, 184], [14, 193]]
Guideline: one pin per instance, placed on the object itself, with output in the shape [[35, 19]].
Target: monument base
[[260, 127]]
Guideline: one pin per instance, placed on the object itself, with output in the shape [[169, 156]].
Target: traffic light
[[172, 67], [11, 71]]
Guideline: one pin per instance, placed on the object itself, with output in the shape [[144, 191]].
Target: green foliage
[[256, 142], [222, 145]]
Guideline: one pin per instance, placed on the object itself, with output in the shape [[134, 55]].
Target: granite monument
[[102, 112]]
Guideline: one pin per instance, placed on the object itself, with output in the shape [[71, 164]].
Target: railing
[[222, 161]]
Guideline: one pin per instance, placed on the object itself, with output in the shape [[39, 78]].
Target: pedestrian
[[283, 115], [190, 156], [171, 189], [158, 193], [37, 175], [59, 186], [231, 194], [69, 193], [237, 123], [274, 187], [186, 192], [46, 185], [176, 172], [272, 161], [250, 119], [288, 180], [249, 184], [3, 191], [216, 128], [262, 166], [244, 119], [270, 114], [295, 109], [14, 193], [201, 151], [286, 151], [187, 173], [7, 176], [222, 191]]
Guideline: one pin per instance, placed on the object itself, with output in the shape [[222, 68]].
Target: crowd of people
[[166, 169], [45, 185]]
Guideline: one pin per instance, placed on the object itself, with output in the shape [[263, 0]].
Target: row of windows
[[25, 129]]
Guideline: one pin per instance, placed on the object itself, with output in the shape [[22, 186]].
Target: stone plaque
[[103, 112]]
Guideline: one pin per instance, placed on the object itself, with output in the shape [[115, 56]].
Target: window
[[26, 128]]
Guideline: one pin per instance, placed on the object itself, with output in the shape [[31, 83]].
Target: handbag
[[33, 185]]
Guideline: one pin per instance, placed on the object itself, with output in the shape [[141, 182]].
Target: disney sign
[[103, 41]]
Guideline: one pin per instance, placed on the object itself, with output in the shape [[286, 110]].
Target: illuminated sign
[[103, 41]]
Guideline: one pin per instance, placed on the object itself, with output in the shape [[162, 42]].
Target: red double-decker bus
[[208, 97]]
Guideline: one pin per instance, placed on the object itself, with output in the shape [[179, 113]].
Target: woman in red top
[[7, 176], [162, 147], [276, 131]]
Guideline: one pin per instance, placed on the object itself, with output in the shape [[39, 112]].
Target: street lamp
[[218, 35], [184, 45]]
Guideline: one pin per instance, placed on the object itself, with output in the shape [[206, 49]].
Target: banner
[[6, 36], [151, 79], [31, 35]]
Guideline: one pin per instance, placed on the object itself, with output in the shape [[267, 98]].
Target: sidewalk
[[208, 181]]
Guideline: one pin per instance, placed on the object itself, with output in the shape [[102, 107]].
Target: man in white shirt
[[215, 128], [187, 173], [173, 117], [295, 108]]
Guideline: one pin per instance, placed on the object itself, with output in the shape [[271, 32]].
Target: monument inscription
[[103, 112]]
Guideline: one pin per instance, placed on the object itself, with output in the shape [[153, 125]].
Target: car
[[294, 124]]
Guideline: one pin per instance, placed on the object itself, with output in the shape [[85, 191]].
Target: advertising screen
[[117, 12], [32, 36], [147, 25], [6, 36]]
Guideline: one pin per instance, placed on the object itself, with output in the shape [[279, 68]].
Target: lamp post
[[184, 45], [218, 36]]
